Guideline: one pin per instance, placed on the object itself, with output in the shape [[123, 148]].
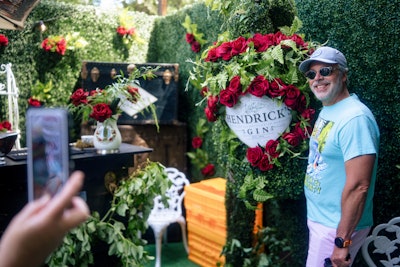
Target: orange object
[[206, 221]]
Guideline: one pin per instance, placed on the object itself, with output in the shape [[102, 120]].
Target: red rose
[[189, 38], [292, 95], [61, 46], [224, 51], [197, 141], [212, 55], [204, 91], [279, 37], [46, 45], [134, 92], [293, 138], [276, 88], [265, 164], [211, 116], [101, 112], [228, 98], [208, 170], [79, 97], [6, 125], [121, 30], [3, 40], [262, 42], [298, 40], [303, 132], [130, 31], [34, 102], [239, 46], [259, 86], [196, 47], [301, 103], [271, 148], [212, 103], [254, 155], [235, 86], [308, 114]]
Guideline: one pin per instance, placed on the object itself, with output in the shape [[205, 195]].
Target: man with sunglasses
[[341, 172]]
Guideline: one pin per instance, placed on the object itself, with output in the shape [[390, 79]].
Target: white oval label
[[256, 120]]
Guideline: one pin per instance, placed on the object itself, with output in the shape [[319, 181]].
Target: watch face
[[339, 242]]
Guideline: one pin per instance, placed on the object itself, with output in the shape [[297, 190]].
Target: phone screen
[[48, 151]]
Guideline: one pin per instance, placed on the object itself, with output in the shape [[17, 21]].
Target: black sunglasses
[[325, 71]]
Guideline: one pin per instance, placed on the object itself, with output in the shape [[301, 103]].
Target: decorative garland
[[126, 29], [193, 37], [60, 44], [263, 65], [199, 157]]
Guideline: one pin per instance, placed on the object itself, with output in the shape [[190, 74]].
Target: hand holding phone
[[47, 138]]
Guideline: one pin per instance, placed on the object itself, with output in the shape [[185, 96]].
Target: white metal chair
[[161, 216], [383, 245]]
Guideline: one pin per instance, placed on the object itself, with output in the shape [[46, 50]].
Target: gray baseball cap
[[324, 54]]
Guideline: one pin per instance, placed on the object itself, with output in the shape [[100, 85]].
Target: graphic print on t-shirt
[[315, 160]]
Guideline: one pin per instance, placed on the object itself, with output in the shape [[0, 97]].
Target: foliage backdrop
[[30, 64], [366, 31]]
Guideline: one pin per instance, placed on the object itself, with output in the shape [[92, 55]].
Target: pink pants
[[321, 243]]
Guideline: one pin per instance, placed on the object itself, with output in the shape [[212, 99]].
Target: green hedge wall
[[31, 64], [366, 31]]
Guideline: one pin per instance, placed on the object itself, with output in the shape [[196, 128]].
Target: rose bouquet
[[7, 139], [261, 65], [103, 105], [60, 44], [5, 126], [56, 44], [126, 30]]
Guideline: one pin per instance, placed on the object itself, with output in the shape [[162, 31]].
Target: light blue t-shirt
[[342, 131]]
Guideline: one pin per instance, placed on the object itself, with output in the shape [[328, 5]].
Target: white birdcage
[[10, 89]]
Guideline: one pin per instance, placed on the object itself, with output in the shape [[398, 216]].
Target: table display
[[97, 169]]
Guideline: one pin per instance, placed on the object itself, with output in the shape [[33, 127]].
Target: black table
[[13, 179]]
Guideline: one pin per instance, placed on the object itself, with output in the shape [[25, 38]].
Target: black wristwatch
[[341, 243]]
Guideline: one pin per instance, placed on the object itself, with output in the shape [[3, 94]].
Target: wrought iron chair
[[382, 247], [161, 216]]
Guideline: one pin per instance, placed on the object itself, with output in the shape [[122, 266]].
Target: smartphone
[[47, 139]]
